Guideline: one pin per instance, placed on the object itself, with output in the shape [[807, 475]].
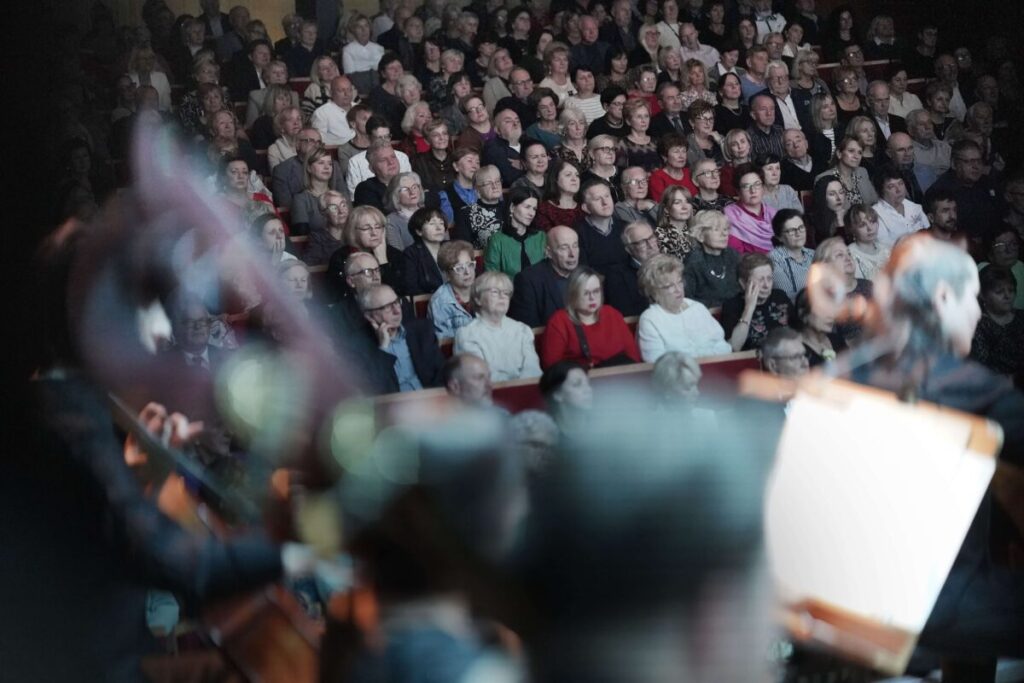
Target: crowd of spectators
[[561, 186]]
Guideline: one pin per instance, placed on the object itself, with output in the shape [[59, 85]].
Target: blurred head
[[508, 126], [190, 324], [383, 161], [833, 252], [468, 378], [795, 143], [878, 98], [566, 388], [295, 276], [783, 353], [675, 377]]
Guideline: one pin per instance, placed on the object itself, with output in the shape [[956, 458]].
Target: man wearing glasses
[[622, 284], [979, 205], [783, 353], [417, 358]]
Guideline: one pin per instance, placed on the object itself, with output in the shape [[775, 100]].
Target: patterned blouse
[[482, 221], [566, 154], [674, 241], [689, 97], [645, 156]]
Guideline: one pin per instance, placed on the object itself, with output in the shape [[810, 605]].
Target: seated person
[[476, 222], [365, 232], [326, 240], [418, 358], [622, 284], [783, 353], [567, 392], [711, 269], [750, 219], [869, 255], [673, 322], [1003, 250], [674, 381], [999, 338], [540, 289], [600, 231], [858, 291], [451, 305], [587, 331], [817, 332], [467, 378], [422, 270], [791, 259], [759, 308], [519, 245], [507, 345]]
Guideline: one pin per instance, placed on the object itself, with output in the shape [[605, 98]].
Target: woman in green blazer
[[518, 245]]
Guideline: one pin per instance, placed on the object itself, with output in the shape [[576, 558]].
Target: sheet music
[[869, 504]]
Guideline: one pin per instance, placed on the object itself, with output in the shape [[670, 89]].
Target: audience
[[422, 269], [868, 254], [467, 378], [783, 353], [999, 338], [417, 357], [540, 290], [519, 244], [791, 259], [451, 305], [759, 308]]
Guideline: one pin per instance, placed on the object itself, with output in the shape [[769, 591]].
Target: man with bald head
[[878, 103], [384, 165], [331, 118], [539, 290], [900, 149]]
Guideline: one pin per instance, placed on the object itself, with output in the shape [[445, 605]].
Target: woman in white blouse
[[143, 70], [507, 345], [673, 322], [897, 215]]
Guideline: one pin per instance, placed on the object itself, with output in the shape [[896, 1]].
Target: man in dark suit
[[412, 344], [885, 123], [622, 30], [504, 150], [217, 22], [671, 118], [291, 24], [799, 168], [600, 230], [622, 287], [520, 84], [540, 289], [792, 107], [589, 52], [245, 73]]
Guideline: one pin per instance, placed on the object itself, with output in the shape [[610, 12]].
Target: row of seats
[[720, 373]]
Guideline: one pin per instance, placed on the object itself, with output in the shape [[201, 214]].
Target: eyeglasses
[[969, 160], [395, 306], [474, 110], [494, 291], [705, 119], [604, 149], [792, 232], [1006, 246], [409, 188], [647, 241], [365, 272], [756, 185], [489, 183], [464, 268], [201, 324], [373, 227], [848, 80], [635, 182], [712, 172], [333, 208]]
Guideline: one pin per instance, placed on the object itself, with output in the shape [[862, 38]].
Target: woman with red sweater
[[587, 331]]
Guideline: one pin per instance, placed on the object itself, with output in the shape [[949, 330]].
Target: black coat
[[537, 293], [660, 125], [799, 179], [622, 289], [426, 354], [371, 192], [421, 272], [499, 153]]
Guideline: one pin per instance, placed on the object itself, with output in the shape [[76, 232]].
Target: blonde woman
[[318, 92], [673, 231], [506, 344], [674, 322]]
